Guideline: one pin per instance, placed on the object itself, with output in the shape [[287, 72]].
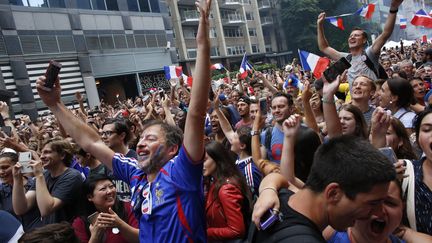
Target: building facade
[[106, 47], [236, 27]]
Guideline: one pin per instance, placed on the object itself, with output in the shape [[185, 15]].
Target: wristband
[[394, 11], [328, 101], [269, 188]]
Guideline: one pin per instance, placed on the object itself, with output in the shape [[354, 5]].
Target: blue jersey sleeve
[[185, 174], [125, 168]]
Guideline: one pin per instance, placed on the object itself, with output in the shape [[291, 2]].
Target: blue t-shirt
[[342, 237], [276, 144], [252, 174], [171, 208]]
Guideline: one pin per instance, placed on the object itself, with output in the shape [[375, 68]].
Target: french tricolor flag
[[314, 63], [188, 79], [421, 18], [172, 72], [403, 23], [366, 11], [336, 22], [245, 67], [217, 66]]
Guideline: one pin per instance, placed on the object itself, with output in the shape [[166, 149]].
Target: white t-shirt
[[405, 116], [359, 67]]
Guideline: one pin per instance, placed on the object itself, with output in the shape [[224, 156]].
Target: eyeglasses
[[107, 133]]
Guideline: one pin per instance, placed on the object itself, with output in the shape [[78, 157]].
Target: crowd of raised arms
[[278, 156]]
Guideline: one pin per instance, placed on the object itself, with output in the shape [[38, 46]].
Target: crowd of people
[[279, 156]]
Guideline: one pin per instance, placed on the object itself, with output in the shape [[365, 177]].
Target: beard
[[156, 161]]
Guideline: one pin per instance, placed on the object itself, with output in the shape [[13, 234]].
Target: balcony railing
[[190, 16], [232, 3], [266, 20], [264, 4], [234, 19]]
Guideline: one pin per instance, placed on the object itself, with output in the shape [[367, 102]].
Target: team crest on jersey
[[159, 196]]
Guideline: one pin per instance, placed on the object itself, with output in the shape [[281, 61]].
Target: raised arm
[[388, 27], [87, 138], [290, 129], [223, 121], [169, 118], [194, 127], [21, 201], [323, 45], [266, 82], [334, 127], [379, 124], [307, 109]]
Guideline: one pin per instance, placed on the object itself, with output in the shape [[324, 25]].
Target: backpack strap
[[403, 114], [268, 138], [287, 233]]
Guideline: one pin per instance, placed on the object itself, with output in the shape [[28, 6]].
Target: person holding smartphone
[[104, 218], [56, 189], [8, 159]]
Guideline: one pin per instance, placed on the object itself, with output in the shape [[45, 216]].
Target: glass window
[[133, 5], [83, 4], [33, 3], [98, 4], [144, 5], [154, 6], [112, 5], [57, 4]]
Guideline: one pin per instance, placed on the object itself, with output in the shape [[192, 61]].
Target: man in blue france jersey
[[166, 180]]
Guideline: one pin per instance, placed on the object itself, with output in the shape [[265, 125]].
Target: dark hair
[[120, 126], [173, 134], [306, 143], [244, 134], [87, 208], [353, 163], [404, 91], [364, 34], [51, 233], [361, 128], [63, 148], [226, 169], [405, 151], [12, 156], [418, 119], [289, 97]]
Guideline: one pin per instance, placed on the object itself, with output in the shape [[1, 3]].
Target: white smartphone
[[24, 158]]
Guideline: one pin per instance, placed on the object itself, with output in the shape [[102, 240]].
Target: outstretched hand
[[291, 126], [50, 97], [203, 7], [321, 18]]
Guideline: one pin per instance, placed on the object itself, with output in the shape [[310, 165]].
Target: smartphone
[[51, 73], [389, 153], [263, 105], [268, 219], [161, 94], [92, 218], [336, 69], [24, 158], [7, 130]]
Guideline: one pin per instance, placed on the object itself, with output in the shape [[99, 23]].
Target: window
[[154, 6], [98, 4], [84, 4], [252, 32], [192, 53], [31, 3], [57, 4], [213, 33], [233, 32], [255, 48], [249, 16], [144, 5], [214, 52], [133, 5], [112, 5], [236, 50]]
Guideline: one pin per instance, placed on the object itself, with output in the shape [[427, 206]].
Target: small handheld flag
[[217, 66], [421, 18], [172, 72], [366, 11], [336, 22], [245, 67], [314, 63]]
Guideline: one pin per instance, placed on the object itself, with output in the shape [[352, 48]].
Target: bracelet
[[269, 188], [328, 101], [394, 11]]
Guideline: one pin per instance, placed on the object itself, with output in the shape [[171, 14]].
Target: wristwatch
[[253, 133]]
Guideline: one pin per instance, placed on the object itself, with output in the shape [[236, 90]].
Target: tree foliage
[[299, 23]]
